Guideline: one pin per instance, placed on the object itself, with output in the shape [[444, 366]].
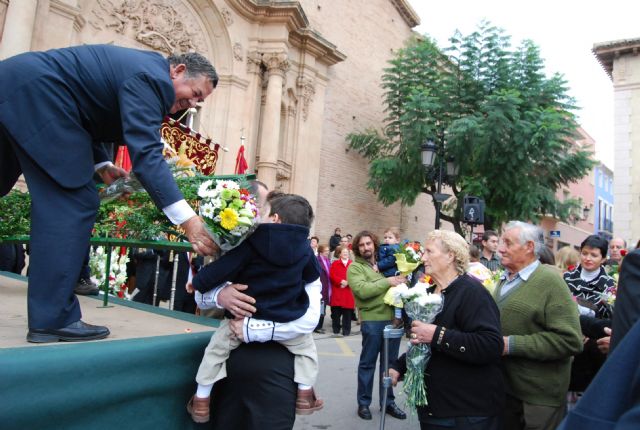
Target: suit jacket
[[58, 105], [627, 308]]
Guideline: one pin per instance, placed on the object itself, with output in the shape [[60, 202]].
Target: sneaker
[[307, 402], [86, 287], [337, 335], [199, 409], [319, 331]]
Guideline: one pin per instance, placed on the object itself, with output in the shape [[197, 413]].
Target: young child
[[387, 263], [275, 262]]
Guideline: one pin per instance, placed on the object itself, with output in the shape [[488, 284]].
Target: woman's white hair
[[528, 232], [451, 241]]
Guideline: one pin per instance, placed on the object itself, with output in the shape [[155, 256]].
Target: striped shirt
[[492, 264], [591, 291]]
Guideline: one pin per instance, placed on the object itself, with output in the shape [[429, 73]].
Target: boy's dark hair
[[316, 238], [595, 241], [274, 194], [488, 235], [292, 209]]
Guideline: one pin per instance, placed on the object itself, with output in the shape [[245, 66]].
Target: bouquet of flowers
[[229, 211], [408, 258], [117, 273], [423, 306]]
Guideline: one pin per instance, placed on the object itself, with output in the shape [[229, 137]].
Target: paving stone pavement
[[337, 386]]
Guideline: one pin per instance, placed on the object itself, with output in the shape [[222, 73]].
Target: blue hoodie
[[276, 262]]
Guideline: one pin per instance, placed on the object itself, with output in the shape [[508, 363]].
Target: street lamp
[[429, 151]]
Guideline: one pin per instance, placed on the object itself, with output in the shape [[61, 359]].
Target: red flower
[[623, 252], [571, 268]]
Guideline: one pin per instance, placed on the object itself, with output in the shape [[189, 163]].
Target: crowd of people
[[512, 346]]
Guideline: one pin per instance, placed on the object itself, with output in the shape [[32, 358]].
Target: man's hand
[[239, 304], [189, 288], [604, 342], [396, 280], [198, 236], [237, 328], [395, 376], [505, 348], [110, 173]]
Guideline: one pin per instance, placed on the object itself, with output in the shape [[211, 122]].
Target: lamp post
[[429, 151]]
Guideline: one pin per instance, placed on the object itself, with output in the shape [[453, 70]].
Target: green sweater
[[543, 326], [369, 288]]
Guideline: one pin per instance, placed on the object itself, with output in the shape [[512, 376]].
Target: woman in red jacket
[[342, 302]]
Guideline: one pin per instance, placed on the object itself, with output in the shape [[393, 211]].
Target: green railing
[[112, 242]]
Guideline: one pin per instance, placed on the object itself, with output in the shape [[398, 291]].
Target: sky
[[564, 30]]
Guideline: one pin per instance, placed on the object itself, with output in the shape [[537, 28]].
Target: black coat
[[463, 376], [276, 262]]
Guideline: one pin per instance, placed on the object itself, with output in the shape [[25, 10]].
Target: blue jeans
[[372, 347]]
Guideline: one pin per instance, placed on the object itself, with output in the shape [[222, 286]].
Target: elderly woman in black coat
[[463, 380]]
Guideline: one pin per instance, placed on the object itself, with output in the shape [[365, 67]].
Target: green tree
[[509, 128]]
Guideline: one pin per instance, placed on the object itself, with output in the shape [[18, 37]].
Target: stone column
[[18, 27], [277, 65]]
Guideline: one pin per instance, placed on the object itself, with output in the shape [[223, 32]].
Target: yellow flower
[[228, 219]]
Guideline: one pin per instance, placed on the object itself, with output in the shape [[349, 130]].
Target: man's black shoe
[[86, 287], [393, 410], [364, 412], [76, 332]]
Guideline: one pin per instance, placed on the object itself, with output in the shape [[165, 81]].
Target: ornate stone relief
[[226, 16], [237, 51], [306, 91], [156, 24], [276, 62]]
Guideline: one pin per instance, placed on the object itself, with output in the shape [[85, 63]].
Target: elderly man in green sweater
[[541, 330], [369, 287]]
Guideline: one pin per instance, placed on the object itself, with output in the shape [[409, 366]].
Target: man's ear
[[178, 70], [276, 218]]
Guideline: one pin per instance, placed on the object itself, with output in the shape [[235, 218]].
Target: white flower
[[207, 210], [429, 299], [204, 188], [230, 185]]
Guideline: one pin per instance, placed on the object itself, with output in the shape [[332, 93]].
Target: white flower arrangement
[[117, 272]]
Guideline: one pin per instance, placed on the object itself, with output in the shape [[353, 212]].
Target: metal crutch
[[388, 333]]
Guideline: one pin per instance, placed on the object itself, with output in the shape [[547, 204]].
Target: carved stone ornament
[[155, 23], [237, 51], [226, 16], [277, 63], [306, 91]]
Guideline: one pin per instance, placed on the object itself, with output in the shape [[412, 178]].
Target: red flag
[[241, 162], [122, 158]]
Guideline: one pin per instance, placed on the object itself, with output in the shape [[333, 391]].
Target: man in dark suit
[[627, 309], [55, 108]]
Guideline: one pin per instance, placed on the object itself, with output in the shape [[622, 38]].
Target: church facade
[[295, 78]]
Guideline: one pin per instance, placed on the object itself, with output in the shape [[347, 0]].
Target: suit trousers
[[258, 393], [372, 347], [213, 365], [61, 223]]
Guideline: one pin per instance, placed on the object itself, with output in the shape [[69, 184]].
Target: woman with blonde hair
[[463, 379], [567, 259]]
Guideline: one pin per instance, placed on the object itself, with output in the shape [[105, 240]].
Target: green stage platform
[[139, 378]]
